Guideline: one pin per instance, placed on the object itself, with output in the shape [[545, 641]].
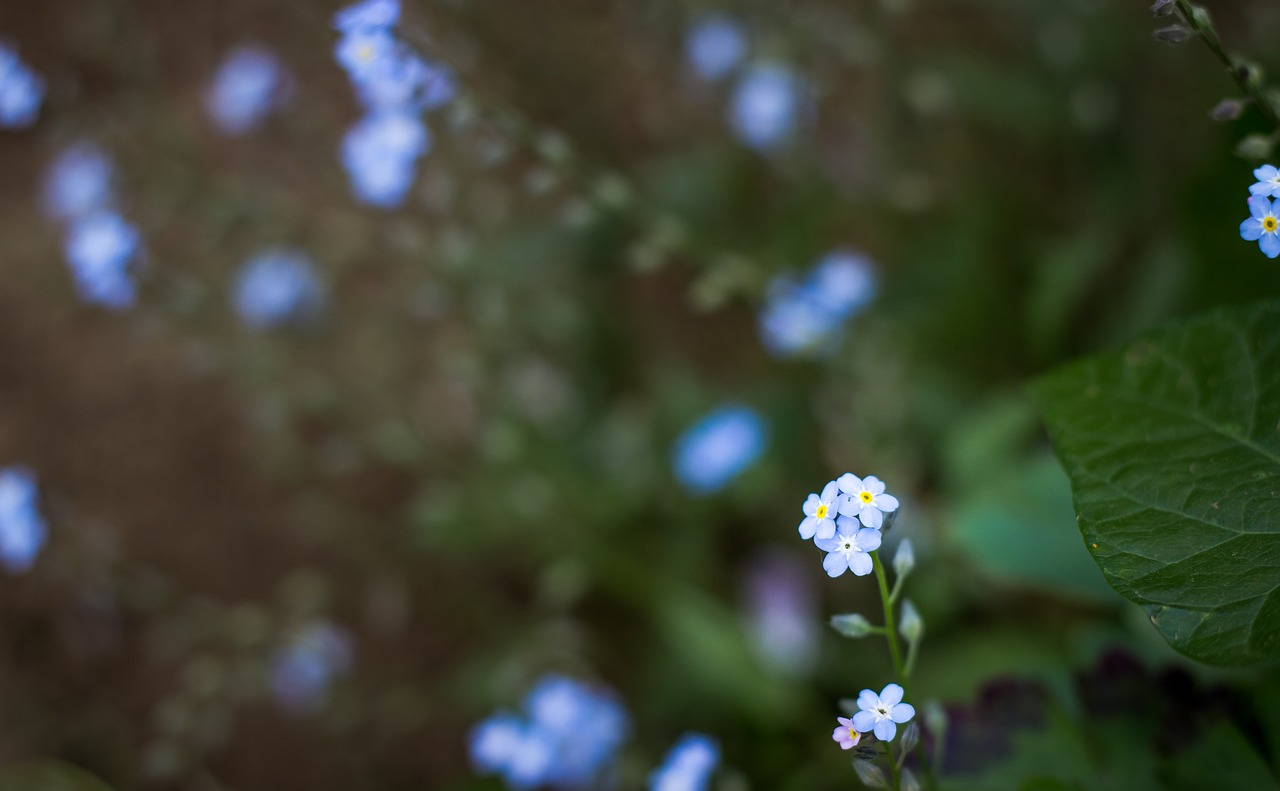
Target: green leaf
[[1172, 446]]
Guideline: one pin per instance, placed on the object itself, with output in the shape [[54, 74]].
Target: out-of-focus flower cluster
[[250, 84], [21, 90], [688, 766], [103, 249], [396, 86], [806, 317], [22, 528], [567, 737], [718, 448], [277, 286], [303, 670]]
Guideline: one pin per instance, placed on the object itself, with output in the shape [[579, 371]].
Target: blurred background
[[303, 524]]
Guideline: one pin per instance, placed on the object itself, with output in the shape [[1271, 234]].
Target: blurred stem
[[912, 645], [1198, 20], [893, 766], [890, 633]]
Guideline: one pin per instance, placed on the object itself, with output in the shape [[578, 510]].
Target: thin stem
[[893, 766], [891, 634], [1204, 29]]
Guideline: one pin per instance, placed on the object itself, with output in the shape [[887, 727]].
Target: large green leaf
[[1173, 450]]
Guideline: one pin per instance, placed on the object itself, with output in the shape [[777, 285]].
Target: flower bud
[[1162, 8], [1227, 110], [1255, 147], [851, 625], [1200, 18], [910, 624], [910, 737], [909, 780], [904, 559], [1173, 34], [871, 775]]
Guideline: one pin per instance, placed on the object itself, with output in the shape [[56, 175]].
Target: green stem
[[1204, 29], [891, 633], [893, 767]]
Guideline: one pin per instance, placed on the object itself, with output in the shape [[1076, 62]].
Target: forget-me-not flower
[[1268, 184], [77, 182], [820, 512], [364, 53], [368, 15], [402, 81], [1263, 226], [380, 154], [22, 528], [793, 321], [21, 90], [715, 44], [765, 104], [845, 734], [568, 736], [303, 670], [249, 85], [843, 282], [688, 765], [882, 713], [849, 548], [275, 287], [101, 249], [716, 449], [865, 499]]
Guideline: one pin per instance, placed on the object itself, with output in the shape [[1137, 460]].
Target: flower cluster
[[767, 97], [688, 766], [879, 714], [806, 317], [844, 521], [22, 528], [250, 84], [566, 738], [716, 449], [102, 247], [21, 91], [275, 287], [1263, 225], [396, 86], [302, 671]]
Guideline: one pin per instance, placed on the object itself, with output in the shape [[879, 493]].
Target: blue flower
[[715, 44], [380, 154], [1268, 184], [795, 321], [716, 449], [303, 669], [369, 15], [688, 765], [402, 81], [865, 498], [820, 512], [848, 548], [101, 248], [249, 85], [78, 182], [275, 287], [844, 282], [21, 91], [365, 54], [569, 735], [1263, 226], [764, 106], [22, 528], [882, 713]]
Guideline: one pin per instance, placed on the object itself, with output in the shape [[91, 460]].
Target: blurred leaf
[[49, 776], [1173, 453], [1222, 758]]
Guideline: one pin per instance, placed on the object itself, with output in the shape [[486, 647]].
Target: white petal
[[849, 483], [886, 502], [891, 695], [871, 516], [809, 527], [826, 528], [830, 492], [902, 712], [873, 484]]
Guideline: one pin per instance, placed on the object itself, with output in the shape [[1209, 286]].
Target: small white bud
[[871, 775], [910, 624], [904, 559], [851, 625], [910, 737]]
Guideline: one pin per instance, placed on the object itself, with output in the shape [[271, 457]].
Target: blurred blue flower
[[302, 671], [248, 86], [275, 287], [78, 182], [101, 248], [688, 765], [364, 54], [380, 154], [22, 528], [369, 15], [764, 106], [782, 610], [845, 282], [1263, 226], [716, 449], [1268, 184], [848, 549], [21, 90], [715, 44], [806, 317], [402, 82], [568, 737]]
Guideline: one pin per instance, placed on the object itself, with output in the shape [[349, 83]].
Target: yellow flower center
[[365, 52], [821, 513], [854, 735], [866, 497], [1269, 224]]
